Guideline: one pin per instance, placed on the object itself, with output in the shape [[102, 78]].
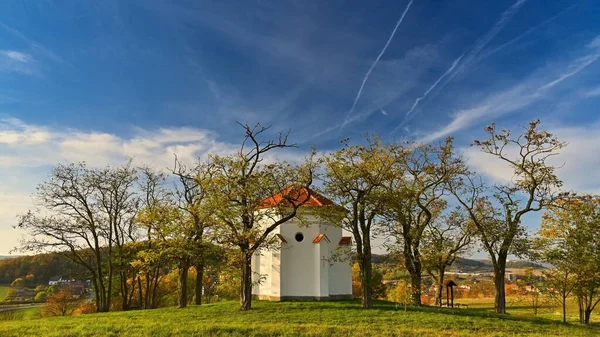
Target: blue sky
[[99, 81]]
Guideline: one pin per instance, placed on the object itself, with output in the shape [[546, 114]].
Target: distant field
[[3, 292], [301, 318]]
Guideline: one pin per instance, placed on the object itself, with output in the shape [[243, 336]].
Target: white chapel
[[306, 266]]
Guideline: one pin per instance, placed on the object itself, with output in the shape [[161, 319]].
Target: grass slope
[[292, 319], [3, 292]]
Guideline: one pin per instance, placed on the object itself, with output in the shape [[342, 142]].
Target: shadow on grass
[[481, 312]]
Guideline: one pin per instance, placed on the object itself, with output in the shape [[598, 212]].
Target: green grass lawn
[[297, 318]]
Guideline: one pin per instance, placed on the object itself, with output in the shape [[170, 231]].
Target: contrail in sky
[[454, 64], [346, 120], [468, 56], [522, 35]]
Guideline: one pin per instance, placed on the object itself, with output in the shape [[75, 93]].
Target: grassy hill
[[296, 318], [474, 266]]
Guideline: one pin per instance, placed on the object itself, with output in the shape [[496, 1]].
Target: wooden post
[[452, 295]]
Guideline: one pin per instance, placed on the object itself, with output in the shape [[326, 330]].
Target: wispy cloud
[[574, 159], [35, 46], [467, 58], [488, 53], [364, 81], [16, 61], [533, 89], [410, 111], [593, 92], [17, 56]]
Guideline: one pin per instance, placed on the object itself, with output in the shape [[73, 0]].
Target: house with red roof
[[306, 264]]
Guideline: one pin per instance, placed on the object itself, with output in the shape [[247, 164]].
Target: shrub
[[85, 308], [11, 315], [18, 283], [60, 303], [40, 297]]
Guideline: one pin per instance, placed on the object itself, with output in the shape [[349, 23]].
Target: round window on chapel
[[299, 237]]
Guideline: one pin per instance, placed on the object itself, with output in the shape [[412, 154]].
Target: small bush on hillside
[[40, 297], [84, 308], [62, 303]]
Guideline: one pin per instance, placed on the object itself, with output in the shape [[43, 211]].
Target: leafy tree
[[40, 288], [155, 212], [250, 198], [558, 285], [533, 188], [191, 197], [40, 297], [444, 240], [568, 238], [379, 290], [18, 283], [531, 286], [30, 279], [354, 178], [416, 198]]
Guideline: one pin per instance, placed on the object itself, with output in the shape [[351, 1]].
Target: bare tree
[[78, 209], [119, 203]]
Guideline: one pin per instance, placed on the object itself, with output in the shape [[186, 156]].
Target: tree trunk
[[581, 311], [414, 268], [564, 308], [366, 282], [140, 293], [440, 288], [199, 283], [415, 289], [183, 276], [588, 313], [124, 290], [108, 291], [500, 298], [97, 294], [246, 286]]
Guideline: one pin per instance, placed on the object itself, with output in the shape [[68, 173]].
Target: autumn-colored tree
[[379, 289], [533, 187], [61, 303]]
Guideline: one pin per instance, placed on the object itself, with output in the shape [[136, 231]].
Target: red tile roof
[[345, 241], [321, 237], [296, 195]]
